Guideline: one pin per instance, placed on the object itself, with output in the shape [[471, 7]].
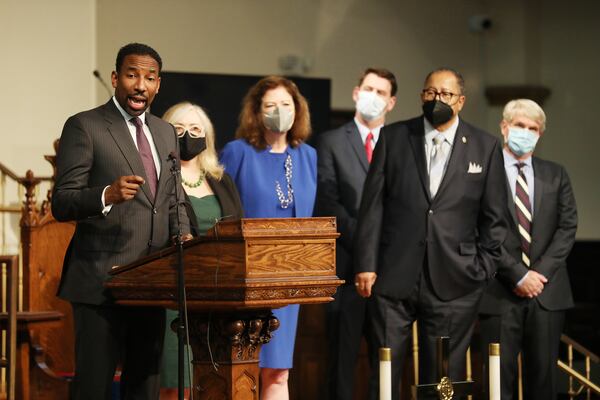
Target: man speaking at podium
[[113, 178]]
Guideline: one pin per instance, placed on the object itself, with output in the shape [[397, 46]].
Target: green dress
[[207, 210]]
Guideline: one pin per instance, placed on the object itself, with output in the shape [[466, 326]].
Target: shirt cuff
[[105, 208], [522, 279]]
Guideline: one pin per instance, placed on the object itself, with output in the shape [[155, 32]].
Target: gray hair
[[525, 108]]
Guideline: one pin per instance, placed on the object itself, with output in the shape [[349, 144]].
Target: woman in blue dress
[[275, 173]]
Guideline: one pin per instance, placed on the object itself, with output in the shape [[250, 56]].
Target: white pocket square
[[474, 168]]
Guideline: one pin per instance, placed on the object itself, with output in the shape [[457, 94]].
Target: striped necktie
[[146, 154], [523, 210]]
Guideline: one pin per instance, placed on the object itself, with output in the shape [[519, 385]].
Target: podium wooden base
[[225, 347]]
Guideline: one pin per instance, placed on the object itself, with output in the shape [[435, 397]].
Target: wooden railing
[[584, 379], [6, 208], [8, 321], [44, 322]]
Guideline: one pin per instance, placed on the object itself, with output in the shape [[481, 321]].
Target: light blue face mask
[[521, 141]]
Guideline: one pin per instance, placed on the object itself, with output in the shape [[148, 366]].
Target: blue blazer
[[255, 181]]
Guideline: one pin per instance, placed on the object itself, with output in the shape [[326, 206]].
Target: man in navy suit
[[523, 308], [114, 180], [343, 160], [430, 229]]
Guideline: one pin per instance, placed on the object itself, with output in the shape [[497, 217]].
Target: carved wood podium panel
[[234, 277]]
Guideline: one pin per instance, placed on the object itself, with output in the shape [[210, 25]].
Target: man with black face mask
[[430, 229]]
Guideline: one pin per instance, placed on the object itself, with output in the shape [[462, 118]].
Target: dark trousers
[[392, 327], [347, 315], [105, 335], [533, 331]]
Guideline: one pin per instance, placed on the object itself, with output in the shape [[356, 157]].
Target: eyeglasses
[[195, 131], [446, 97]]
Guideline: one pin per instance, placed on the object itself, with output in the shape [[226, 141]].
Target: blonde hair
[[207, 161], [525, 108]]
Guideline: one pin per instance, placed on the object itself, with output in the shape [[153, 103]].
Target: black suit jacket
[[227, 196], [96, 148], [459, 232], [553, 233], [341, 172]]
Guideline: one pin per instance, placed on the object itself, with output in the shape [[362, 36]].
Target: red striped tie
[[523, 210], [369, 147]]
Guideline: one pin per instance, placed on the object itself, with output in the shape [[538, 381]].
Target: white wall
[[48, 52]]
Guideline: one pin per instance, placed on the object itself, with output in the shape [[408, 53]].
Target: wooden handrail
[[567, 340], [11, 174], [582, 379], [7, 171]]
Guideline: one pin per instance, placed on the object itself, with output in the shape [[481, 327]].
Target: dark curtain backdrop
[[221, 96]]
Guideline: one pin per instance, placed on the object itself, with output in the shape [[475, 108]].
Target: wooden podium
[[234, 277]]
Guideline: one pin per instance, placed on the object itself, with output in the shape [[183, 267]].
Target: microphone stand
[[175, 172], [96, 73]]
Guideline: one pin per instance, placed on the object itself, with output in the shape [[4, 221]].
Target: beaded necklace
[[193, 184], [283, 201]]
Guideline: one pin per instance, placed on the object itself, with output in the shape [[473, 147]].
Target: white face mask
[[370, 105], [280, 119]]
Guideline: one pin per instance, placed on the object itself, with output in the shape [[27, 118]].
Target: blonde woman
[[211, 195]]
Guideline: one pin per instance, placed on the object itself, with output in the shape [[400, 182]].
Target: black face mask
[[190, 147], [437, 112]]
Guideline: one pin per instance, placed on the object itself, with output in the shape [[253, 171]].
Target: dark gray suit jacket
[[95, 149], [460, 231], [553, 234], [341, 172]]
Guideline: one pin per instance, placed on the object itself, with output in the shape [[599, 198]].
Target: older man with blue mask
[[523, 308]]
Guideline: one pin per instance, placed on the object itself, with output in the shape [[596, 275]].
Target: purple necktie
[[146, 154]]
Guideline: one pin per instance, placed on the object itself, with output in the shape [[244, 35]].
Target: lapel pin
[[464, 139]]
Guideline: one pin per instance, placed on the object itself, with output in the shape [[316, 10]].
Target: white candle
[[494, 370], [385, 373]]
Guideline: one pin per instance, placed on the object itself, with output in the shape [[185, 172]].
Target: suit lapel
[[538, 191], [511, 202], [457, 156], [117, 127], [357, 145], [417, 141]]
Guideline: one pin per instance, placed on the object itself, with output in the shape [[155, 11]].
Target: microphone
[[174, 160], [97, 75], [172, 157]]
